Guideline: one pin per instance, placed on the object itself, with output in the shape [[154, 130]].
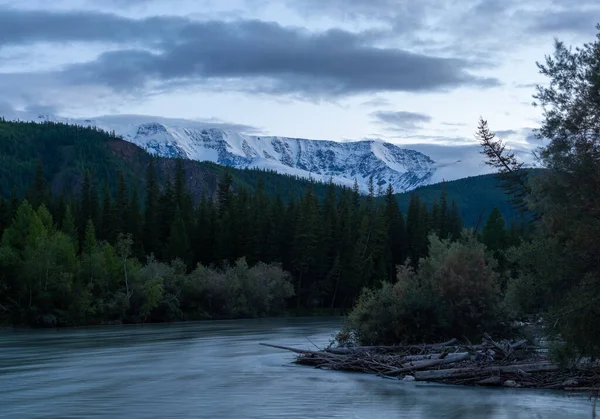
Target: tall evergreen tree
[[396, 233], [151, 230], [121, 204], [3, 216], [108, 230], [224, 194], [443, 222], [39, 192], [68, 226], [494, 234], [455, 224], [414, 229], [179, 243]]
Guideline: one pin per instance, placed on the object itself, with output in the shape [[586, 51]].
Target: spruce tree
[[443, 222], [495, 234], [134, 222], [413, 229], [68, 226], [39, 192], [179, 243], [108, 229], [3, 216], [151, 230], [224, 195], [455, 224], [396, 246], [121, 204]]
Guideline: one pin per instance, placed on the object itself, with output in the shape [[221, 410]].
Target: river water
[[218, 370]]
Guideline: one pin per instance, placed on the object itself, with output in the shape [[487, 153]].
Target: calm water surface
[[218, 370]]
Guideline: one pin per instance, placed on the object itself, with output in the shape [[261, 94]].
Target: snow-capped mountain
[[344, 162]]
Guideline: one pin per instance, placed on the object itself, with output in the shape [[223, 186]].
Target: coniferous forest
[[123, 247]]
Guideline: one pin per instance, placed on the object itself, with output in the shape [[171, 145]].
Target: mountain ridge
[[344, 162]]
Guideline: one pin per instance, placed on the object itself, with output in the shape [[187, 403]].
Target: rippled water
[[218, 370]]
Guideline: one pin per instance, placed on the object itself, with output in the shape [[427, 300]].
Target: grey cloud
[[198, 123], [506, 133], [454, 124], [41, 109], [266, 57], [30, 26], [401, 120], [231, 126], [243, 55], [412, 11], [376, 103], [570, 20]]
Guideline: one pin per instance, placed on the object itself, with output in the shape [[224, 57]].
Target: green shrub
[[455, 293]]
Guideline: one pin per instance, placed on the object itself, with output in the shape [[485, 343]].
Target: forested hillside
[[68, 151], [105, 233], [476, 197]]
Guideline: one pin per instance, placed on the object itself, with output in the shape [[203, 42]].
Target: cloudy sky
[[402, 70]]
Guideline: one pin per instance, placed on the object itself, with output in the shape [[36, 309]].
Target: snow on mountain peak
[[343, 162]]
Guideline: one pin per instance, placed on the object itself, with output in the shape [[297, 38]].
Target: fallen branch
[[491, 363], [474, 372]]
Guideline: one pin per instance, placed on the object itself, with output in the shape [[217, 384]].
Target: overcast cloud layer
[[329, 69]]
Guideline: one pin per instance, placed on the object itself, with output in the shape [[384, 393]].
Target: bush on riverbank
[[44, 281], [455, 293]]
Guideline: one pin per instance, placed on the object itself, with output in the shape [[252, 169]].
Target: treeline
[[92, 256]]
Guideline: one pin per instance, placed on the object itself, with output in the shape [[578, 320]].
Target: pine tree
[[455, 224], [14, 203], [166, 215], [224, 195], [39, 192], [494, 234], [68, 226], [134, 222], [396, 233], [89, 241], [3, 216], [121, 204], [305, 246], [86, 203], [413, 229], [443, 222], [107, 222], [151, 230], [179, 243], [510, 171]]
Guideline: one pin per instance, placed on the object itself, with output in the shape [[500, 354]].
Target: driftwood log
[[491, 363]]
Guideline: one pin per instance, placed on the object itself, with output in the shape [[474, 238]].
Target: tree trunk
[[473, 372]]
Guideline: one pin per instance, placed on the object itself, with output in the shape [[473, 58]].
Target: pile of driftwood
[[491, 363]]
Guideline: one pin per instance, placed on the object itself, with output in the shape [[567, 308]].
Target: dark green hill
[[67, 151], [475, 197]]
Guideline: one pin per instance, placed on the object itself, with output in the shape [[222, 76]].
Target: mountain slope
[[67, 151], [344, 162], [475, 197]]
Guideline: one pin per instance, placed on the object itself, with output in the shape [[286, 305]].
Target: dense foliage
[[557, 271], [107, 251], [455, 292], [476, 197]]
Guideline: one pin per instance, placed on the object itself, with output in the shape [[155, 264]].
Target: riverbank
[[490, 364], [291, 313]]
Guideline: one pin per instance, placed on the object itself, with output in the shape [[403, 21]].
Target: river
[[218, 370]]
